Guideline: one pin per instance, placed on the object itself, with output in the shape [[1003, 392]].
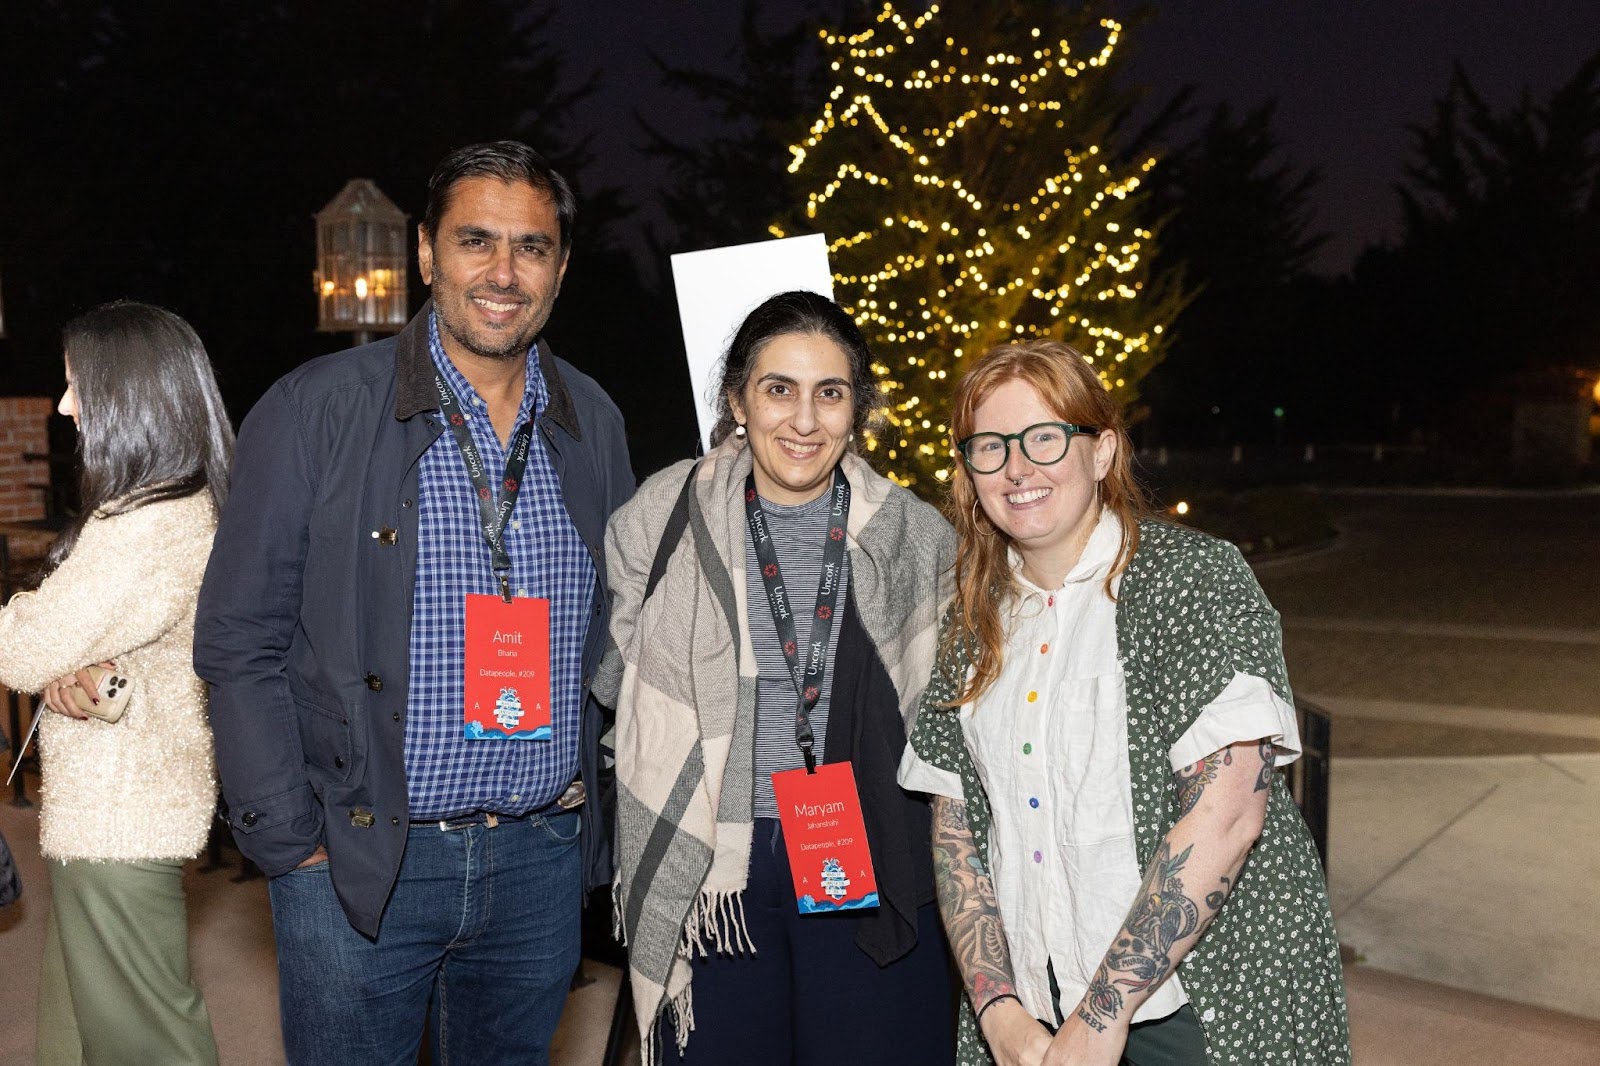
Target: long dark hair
[[151, 424], [780, 316]]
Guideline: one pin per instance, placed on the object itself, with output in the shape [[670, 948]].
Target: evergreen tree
[[728, 189], [966, 169], [1495, 273], [1239, 221], [1505, 207]]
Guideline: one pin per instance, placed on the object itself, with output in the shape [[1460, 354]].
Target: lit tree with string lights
[[962, 169]]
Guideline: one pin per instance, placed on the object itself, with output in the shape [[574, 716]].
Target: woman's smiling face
[[1046, 511], [797, 410]]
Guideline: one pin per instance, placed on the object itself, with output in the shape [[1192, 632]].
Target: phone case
[[113, 689]]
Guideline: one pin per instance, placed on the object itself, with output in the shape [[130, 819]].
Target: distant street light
[[362, 263]]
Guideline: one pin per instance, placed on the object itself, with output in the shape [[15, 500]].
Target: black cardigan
[[865, 729]]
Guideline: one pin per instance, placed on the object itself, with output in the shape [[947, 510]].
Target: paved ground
[[1456, 643], [1397, 1021], [1485, 610], [1477, 873], [1521, 561]]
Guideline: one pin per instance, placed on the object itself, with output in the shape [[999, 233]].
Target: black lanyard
[[807, 683], [493, 516]]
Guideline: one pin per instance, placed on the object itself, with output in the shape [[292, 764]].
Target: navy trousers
[[809, 996]]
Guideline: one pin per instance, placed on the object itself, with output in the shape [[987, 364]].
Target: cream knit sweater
[[145, 786]]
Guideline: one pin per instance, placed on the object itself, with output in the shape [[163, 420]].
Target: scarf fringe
[[682, 1008], [718, 917], [680, 1011], [618, 933], [715, 916]]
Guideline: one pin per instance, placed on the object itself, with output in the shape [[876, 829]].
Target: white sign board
[[718, 287]]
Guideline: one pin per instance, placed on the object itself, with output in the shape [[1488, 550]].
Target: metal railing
[[1308, 775]]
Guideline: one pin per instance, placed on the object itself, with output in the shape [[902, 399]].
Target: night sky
[[1349, 75]]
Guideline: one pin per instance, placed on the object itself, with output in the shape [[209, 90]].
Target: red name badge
[[827, 839], [507, 669]]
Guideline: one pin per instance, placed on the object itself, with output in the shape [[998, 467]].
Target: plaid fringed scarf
[[682, 675]]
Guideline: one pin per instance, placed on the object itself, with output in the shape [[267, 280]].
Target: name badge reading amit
[[507, 678], [826, 838]]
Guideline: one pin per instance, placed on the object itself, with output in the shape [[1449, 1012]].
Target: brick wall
[[24, 430]]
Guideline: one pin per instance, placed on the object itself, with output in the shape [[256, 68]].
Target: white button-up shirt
[[1049, 740]]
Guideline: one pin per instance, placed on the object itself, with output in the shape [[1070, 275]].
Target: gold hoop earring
[[975, 524]]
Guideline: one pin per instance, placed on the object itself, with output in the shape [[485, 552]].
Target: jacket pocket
[[325, 739]]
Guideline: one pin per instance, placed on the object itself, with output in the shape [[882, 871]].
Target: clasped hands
[[1016, 1038]]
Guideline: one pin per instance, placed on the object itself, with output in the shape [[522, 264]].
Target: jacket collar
[[414, 391]]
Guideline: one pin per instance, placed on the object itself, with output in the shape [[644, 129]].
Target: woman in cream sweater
[[125, 802]]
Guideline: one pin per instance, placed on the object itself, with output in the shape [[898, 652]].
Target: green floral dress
[[1265, 980]]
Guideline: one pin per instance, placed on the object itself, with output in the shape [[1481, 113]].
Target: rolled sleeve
[[1246, 709], [918, 775]]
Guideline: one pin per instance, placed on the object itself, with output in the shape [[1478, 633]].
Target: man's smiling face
[[495, 266]]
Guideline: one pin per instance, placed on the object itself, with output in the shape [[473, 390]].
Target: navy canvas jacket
[[305, 614]]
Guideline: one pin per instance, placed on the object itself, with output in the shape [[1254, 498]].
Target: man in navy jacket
[[414, 868]]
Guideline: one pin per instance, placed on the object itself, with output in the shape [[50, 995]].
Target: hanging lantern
[[362, 263]]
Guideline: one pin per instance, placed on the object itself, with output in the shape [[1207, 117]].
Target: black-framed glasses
[[1043, 444]]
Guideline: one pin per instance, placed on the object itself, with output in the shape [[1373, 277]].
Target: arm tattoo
[[1191, 781], [1164, 915], [967, 904], [1102, 999], [1268, 764], [1141, 955]]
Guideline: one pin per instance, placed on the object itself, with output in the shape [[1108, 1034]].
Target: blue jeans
[[482, 929]]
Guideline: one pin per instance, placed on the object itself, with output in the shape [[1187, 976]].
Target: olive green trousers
[[115, 987], [1176, 1040]]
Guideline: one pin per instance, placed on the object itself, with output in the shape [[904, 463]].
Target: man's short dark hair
[[510, 161]]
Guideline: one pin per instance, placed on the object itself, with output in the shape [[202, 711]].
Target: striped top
[[798, 532]]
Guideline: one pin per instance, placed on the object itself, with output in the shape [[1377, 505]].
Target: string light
[[955, 161]]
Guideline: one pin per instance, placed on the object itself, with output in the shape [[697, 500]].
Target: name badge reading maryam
[[507, 669], [826, 838]]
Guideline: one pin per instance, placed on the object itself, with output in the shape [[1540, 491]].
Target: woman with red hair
[[1122, 873]]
